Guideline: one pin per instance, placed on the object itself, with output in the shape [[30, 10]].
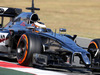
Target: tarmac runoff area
[[12, 68], [5, 71]]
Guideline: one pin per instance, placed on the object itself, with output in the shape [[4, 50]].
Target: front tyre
[[27, 45], [94, 49]]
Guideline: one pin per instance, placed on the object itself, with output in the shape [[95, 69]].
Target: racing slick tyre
[[28, 44], [94, 49]]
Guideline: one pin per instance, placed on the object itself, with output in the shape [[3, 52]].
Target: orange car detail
[[94, 44], [26, 51]]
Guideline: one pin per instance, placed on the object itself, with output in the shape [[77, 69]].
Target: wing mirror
[[62, 30]]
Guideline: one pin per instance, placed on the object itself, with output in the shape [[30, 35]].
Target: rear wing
[[9, 12]]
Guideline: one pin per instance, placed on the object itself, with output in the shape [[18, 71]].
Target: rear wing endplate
[[9, 12]]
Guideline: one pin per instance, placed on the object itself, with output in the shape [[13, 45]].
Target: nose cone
[[86, 59]]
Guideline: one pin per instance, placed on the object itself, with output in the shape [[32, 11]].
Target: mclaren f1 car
[[31, 42]]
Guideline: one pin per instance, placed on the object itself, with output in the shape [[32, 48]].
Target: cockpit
[[27, 17], [31, 19]]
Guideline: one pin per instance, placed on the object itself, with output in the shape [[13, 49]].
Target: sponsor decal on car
[[3, 38]]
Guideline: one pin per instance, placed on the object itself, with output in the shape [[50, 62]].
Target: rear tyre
[[28, 44], [94, 49]]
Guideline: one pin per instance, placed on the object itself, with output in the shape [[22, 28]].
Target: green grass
[[4, 71], [81, 17]]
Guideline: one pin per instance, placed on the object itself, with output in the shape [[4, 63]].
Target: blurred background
[[81, 17]]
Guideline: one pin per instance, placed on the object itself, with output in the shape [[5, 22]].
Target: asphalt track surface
[[84, 42]]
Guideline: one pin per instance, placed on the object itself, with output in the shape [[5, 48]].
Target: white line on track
[[38, 71]]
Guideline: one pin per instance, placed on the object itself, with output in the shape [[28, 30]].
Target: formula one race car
[[28, 40]]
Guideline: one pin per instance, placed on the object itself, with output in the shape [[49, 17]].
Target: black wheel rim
[[92, 49], [21, 49]]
